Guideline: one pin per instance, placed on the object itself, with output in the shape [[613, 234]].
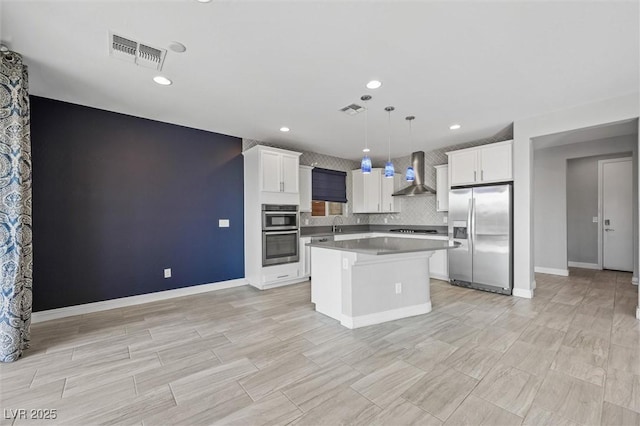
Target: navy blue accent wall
[[116, 199]]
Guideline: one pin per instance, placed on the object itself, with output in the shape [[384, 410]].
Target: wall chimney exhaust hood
[[417, 187]]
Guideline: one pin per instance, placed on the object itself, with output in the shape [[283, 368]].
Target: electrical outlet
[[595, 219], [358, 220], [445, 219], [223, 223], [386, 220], [306, 221], [345, 264], [398, 288], [167, 273]]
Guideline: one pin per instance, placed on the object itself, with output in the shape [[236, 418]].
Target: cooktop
[[414, 231]]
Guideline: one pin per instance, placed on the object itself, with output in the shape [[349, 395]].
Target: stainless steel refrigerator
[[481, 219]]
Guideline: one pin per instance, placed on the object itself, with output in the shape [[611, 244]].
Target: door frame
[[601, 206]]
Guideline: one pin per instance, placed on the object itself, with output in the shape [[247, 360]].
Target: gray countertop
[[321, 231], [386, 245]]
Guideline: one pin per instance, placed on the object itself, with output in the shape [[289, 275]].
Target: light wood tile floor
[[241, 356]]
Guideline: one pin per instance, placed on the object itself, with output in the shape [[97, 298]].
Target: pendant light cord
[[389, 144]]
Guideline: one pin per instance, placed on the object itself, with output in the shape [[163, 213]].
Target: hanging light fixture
[[365, 164], [389, 171], [411, 174]]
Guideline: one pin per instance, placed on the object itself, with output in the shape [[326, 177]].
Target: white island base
[[361, 289]]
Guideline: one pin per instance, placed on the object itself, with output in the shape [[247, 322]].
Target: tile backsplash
[[418, 210]]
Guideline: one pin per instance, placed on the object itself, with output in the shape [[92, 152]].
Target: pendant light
[[389, 171], [365, 164], [411, 174]]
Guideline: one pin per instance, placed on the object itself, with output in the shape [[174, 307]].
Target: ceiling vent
[[352, 109], [138, 53]]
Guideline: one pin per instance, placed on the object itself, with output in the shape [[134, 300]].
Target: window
[[328, 192], [328, 185], [327, 208]]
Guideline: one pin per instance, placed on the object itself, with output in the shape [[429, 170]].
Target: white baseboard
[[638, 312], [277, 284], [552, 271], [584, 265], [439, 277], [88, 308], [380, 317], [634, 280], [524, 293]]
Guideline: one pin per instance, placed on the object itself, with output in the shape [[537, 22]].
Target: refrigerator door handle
[[469, 226], [473, 221]]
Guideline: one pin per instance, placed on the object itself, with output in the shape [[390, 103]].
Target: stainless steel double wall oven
[[280, 234]]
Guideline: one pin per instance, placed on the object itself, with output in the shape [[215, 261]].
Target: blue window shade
[[328, 185]]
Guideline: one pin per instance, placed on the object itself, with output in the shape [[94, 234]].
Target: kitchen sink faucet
[[334, 227]]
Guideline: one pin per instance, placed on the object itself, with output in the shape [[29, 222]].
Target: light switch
[[345, 264], [223, 223], [445, 219], [595, 219]]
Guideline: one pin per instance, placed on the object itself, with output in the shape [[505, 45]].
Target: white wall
[[550, 195], [525, 129]]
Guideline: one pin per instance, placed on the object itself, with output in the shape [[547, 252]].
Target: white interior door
[[617, 230]]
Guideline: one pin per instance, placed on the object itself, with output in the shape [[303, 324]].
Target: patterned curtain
[[16, 252]]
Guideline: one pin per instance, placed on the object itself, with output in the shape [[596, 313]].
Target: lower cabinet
[[305, 257], [277, 275], [439, 265], [352, 236]]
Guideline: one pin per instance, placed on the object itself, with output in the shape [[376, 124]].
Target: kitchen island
[[372, 280]]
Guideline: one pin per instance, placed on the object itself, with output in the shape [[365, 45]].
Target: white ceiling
[[612, 130], [252, 67]]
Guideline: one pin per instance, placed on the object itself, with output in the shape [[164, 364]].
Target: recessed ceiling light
[[177, 47], [284, 129], [204, 1], [454, 127], [373, 84], [366, 150], [163, 81]]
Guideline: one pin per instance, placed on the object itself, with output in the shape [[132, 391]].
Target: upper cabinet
[[442, 188], [481, 164], [279, 171], [366, 191], [389, 203], [372, 193], [305, 188], [271, 175]]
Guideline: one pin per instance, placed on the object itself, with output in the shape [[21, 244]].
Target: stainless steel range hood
[[417, 187]]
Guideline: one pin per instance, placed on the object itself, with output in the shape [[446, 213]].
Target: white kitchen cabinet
[[439, 265], [389, 203], [496, 162], [290, 170], [372, 193], [345, 237], [463, 166], [442, 188], [366, 191], [305, 257], [305, 188], [271, 166], [278, 170], [481, 164], [270, 177]]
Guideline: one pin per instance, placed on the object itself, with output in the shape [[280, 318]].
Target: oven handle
[[280, 232], [271, 213]]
